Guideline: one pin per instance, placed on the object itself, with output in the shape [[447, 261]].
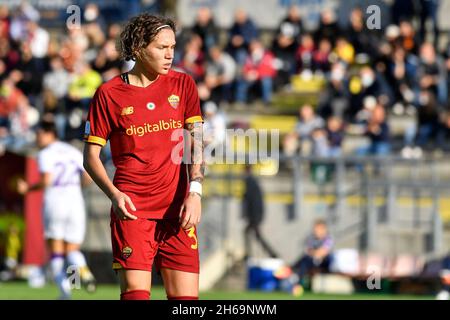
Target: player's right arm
[[95, 168], [45, 181], [97, 131]]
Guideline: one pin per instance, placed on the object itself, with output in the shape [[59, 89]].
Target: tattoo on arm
[[197, 165]]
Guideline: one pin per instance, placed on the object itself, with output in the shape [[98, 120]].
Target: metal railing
[[377, 185]]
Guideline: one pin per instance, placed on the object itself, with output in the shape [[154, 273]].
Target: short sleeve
[[98, 124], [45, 162], [192, 112]]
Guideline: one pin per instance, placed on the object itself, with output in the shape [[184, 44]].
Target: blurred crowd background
[[365, 74]]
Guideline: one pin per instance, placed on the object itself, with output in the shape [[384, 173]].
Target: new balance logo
[[127, 111]]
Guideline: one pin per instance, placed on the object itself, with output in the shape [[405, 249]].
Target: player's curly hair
[[139, 32]]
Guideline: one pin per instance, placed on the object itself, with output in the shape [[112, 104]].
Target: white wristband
[[195, 186]]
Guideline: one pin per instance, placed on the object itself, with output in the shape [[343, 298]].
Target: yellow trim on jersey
[[116, 266], [96, 140], [194, 119]]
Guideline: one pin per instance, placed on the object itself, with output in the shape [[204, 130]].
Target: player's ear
[[137, 54]]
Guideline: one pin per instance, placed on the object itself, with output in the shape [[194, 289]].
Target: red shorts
[[136, 244]]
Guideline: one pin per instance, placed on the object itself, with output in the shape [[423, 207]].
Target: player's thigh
[[180, 283], [134, 279], [178, 250], [178, 259]]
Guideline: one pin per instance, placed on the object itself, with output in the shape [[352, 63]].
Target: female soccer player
[[156, 198]]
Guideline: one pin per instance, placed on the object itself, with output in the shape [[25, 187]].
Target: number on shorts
[[191, 234]]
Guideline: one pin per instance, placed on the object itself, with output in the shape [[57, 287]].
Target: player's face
[[158, 56], [42, 138]]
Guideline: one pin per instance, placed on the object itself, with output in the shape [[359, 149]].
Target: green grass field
[[21, 291]]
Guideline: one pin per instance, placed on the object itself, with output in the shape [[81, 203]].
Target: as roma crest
[[174, 101], [126, 252]]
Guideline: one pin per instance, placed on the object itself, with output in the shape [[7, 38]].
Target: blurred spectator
[[308, 122], [30, 74], [317, 254], [361, 38], [20, 17], [368, 83], [321, 57], [409, 40], [363, 115], [320, 170], [214, 129], [57, 80], [4, 22], [335, 134], [183, 35], [284, 48], [206, 28], [10, 99], [443, 138], [16, 116], [427, 124], [344, 50], [242, 32], [305, 52], [38, 38], [335, 97], [253, 213], [429, 11], [193, 61], [74, 47], [402, 10], [93, 19], [431, 72], [320, 143], [402, 74], [292, 24], [114, 30], [377, 130], [392, 34], [108, 62], [9, 56], [328, 28], [220, 75], [56, 87], [258, 70], [84, 83]]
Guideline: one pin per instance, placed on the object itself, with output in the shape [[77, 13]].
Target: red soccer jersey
[[143, 126]]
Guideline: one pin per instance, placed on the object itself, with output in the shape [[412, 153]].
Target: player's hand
[[191, 211], [119, 201], [22, 186]]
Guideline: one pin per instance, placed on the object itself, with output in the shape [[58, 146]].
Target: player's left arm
[[191, 211]]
